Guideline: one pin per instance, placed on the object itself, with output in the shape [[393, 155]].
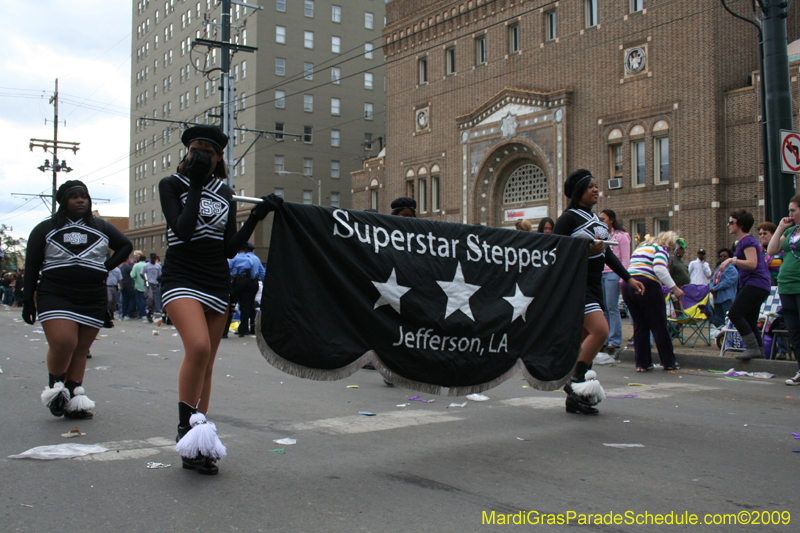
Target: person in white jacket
[[699, 270]]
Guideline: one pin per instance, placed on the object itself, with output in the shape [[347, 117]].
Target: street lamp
[[318, 182]]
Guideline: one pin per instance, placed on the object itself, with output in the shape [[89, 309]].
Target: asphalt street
[[705, 445]]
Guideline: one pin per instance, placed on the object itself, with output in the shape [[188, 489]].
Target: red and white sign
[[529, 213], [790, 152]]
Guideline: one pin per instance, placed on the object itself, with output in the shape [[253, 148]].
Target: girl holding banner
[[201, 221], [583, 391]]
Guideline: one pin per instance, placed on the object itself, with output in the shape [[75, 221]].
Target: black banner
[[430, 304]]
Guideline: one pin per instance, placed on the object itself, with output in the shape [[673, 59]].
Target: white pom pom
[[50, 394], [201, 440], [79, 401], [590, 390]]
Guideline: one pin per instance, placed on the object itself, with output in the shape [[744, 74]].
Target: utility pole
[[226, 89], [54, 145], [780, 187]]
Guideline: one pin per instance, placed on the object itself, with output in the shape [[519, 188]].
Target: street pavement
[[706, 444]]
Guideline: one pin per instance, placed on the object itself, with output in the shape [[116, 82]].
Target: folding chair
[[689, 320], [769, 312]]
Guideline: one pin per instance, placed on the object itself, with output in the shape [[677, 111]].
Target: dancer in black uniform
[[70, 298], [201, 221], [579, 221]]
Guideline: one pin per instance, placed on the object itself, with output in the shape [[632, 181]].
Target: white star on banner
[[519, 302], [391, 292], [458, 294]]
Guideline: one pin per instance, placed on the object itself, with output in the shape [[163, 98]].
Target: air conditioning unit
[[615, 183]]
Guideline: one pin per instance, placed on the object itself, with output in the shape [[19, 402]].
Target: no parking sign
[[790, 152]]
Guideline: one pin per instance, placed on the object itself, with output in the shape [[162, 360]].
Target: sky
[[86, 44]]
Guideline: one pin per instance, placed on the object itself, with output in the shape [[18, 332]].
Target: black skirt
[[84, 305], [207, 281]]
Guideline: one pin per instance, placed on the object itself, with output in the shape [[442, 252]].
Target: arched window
[[527, 183]]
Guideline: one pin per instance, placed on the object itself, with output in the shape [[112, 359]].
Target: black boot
[[55, 397], [576, 404], [200, 464], [79, 405]]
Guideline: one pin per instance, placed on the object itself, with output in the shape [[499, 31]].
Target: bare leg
[[77, 365], [595, 333], [62, 340]]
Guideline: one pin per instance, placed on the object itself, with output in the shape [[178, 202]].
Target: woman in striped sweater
[[649, 265]]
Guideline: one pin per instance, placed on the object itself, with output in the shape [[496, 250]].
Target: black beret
[[404, 203], [250, 246], [210, 134], [153, 255], [63, 192], [574, 179]]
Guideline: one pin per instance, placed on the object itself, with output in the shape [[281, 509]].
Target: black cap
[[404, 203], [210, 134], [153, 255], [68, 186], [701, 251], [574, 179], [250, 246]]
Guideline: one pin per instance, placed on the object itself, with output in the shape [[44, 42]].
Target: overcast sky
[[86, 45]]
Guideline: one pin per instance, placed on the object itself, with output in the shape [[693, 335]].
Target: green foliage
[[14, 249]]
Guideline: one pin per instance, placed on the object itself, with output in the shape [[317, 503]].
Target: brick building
[[491, 104]]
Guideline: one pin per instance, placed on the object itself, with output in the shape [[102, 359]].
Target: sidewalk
[[707, 357]]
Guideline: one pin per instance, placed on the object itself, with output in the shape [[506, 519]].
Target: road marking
[[536, 402], [361, 424], [130, 449], [659, 390]]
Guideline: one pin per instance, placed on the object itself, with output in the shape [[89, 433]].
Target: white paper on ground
[[59, 451], [285, 441], [623, 445], [457, 404], [603, 358], [477, 397]]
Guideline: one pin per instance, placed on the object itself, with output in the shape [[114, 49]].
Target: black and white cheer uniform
[[73, 265], [583, 223], [201, 234]]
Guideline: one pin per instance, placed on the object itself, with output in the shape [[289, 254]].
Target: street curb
[[714, 362]]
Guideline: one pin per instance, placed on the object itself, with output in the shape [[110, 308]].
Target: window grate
[[526, 184]]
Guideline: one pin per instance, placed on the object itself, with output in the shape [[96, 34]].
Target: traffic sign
[[790, 152]]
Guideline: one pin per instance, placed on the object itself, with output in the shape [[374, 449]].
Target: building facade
[[305, 102], [492, 103]]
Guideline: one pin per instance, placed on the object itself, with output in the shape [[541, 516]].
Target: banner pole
[[247, 199]]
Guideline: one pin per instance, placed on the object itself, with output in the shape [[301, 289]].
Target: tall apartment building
[[318, 76], [492, 103]]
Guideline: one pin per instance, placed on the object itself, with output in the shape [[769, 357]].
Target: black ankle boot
[[56, 395], [79, 405], [576, 405], [200, 464]]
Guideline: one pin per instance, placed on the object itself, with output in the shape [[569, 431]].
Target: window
[[368, 51], [244, 69], [373, 197], [368, 111], [422, 63], [434, 193], [480, 50], [336, 75], [279, 127], [369, 20], [368, 80], [308, 166], [334, 199], [513, 38], [638, 230], [335, 137], [335, 106], [661, 225], [616, 161], [307, 195], [279, 163], [423, 198], [308, 102], [637, 5], [205, 93], [450, 60], [336, 45], [236, 73], [308, 39], [336, 14], [308, 132], [280, 99], [637, 163], [280, 66], [280, 34], [334, 169], [309, 8], [308, 71], [280, 5], [527, 183], [591, 13], [196, 94], [661, 159], [279, 191]]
